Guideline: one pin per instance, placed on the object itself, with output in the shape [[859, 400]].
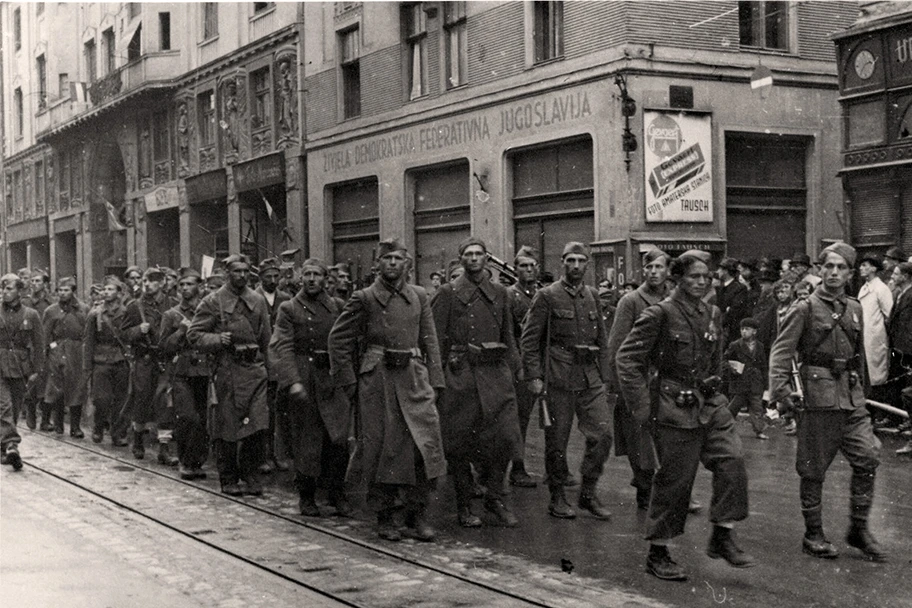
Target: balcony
[[151, 71]]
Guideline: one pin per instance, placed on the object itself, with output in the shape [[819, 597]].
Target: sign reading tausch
[[678, 174]]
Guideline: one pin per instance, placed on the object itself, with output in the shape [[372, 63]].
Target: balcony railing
[[58, 112]]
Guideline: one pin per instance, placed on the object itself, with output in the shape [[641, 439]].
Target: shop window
[[442, 197], [350, 67], [17, 28], [205, 104], [553, 198], [110, 58], [262, 95], [160, 140], [356, 226], [414, 34], [134, 47], [764, 24], [548, 30], [164, 31], [766, 193], [210, 20], [41, 68], [91, 61], [262, 234], [20, 111], [454, 28]]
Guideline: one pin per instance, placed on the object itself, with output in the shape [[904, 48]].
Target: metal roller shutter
[[875, 213], [906, 219]]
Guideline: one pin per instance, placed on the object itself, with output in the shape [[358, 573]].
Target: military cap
[[215, 280], [895, 253], [873, 260], [154, 273], [844, 250], [703, 256], [526, 252], [436, 273], [470, 241], [290, 253], [316, 263], [575, 247], [286, 266], [389, 246], [654, 254], [269, 264], [67, 282], [37, 272], [749, 322], [729, 264], [170, 272], [131, 270], [12, 276], [112, 280], [189, 273], [801, 258], [237, 258], [95, 288]]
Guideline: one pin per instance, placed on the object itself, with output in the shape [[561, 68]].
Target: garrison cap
[[575, 247], [237, 258], [189, 273], [216, 279], [469, 241], [703, 256], [269, 264], [12, 276], [170, 272], [154, 273], [131, 270], [316, 263], [67, 282], [526, 252], [389, 246], [844, 250], [112, 280], [895, 253], [654, 254], [436, 273], [290, 253]]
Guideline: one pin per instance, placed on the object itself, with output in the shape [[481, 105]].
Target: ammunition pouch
[[687, 399], [837, 365], [584, 354], [709, 387], [486, 353], [145, 351], [245, 353], [398, 359]]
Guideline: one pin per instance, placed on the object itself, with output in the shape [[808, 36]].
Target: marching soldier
[[141, 329], [521, 293], [384, 347], [233, 324], [320, 413], [564, 349], [64, 332], [825, 332], [278, 440], [478, 416], [132, 279], [21, 362], [105, 361], [38, 299], [171, 279], [680, 338], [188, 377]]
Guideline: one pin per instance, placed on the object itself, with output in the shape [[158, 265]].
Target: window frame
[[90, 56], [209, 19], [415, 42], [759, 31], [19, 108], [110, 50], [206, 117], [41, 69], [455, 25], [349, 72], [63, 85], [542, 53], [164, 33], [261, 7], [17, 27], [261, 113]]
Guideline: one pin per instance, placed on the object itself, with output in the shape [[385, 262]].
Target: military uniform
[[21, 355], [521, 301], [320, 416], [577, 357], [64, 332], [35, 393], [478, 416], [149, 407], [104, 358], [825, 333], [385, 341], [681, 340], [238, 421], [188, 372], [279, 438]]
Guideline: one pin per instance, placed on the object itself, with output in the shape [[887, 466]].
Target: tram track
[[486, 593]]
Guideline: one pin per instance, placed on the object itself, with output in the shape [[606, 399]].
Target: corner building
[[150, 133], [429, 121]]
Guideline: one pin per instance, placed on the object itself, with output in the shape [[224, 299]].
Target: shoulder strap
[[840, 322]]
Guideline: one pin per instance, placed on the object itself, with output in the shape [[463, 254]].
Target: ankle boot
[[815, 543], [59, 413], [860, 537], [722, 544], [165, 456], [339, 500], [307, 489], [47, 424], [76, 421], [139, 449], [559, 507], [588, 499], [31, 415]]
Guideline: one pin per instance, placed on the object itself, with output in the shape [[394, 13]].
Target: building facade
[[875, 80], [150, 133], [514, 121]]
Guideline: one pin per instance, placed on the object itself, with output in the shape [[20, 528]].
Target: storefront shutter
[[875, 213], [906, 219]]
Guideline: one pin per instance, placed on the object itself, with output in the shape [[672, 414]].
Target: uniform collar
[[383, 292], [526, 292], [465, 288], [312, 304], [191, 307], [824, 295], [647, 295], [691, 308], [575, 292], [13, 306], [228, 299]]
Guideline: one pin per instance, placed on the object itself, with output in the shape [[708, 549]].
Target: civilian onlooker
[[899, 331], [802, 290], [893, 257], [801, 265], [732, 299], [747, 375], [876, 305]]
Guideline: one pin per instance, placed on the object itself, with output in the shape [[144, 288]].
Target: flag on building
[[114, 222]]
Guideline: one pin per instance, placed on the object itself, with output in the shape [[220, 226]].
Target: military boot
[[307, 489], [559, 507], [59, 415], [860, 537], [589, 501], [815, 542], [13, 458], [339, 500], [31, 415], [139, 448], [386, 526], [75, 422], [47, 425], [722, 544], [417, 526], [165, 456], [660, 564]]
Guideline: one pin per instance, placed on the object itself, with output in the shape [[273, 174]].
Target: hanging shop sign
[[678, 167], [163, 197], [206, 186], [260, 172]]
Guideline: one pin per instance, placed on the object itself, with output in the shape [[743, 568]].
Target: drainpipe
[[302, 125]]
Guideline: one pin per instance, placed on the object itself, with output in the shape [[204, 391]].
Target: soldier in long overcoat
[[478, 416], [320, 412], [21, 362], [64, 332], [39, 299], [141, 329], [104, 359], [187, 376], [384, 345], [233, 324]]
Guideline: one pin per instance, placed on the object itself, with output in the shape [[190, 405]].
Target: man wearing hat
[[900, 334], [105, 360], [187, 374], [733, 299], [38, 299], [437, 279], [384, 347], [170, 285], [344, 281], [677, 339], [632, 438], [278, 442], [21, 362], [876, 304], [141, 329], [521, 294], [64, 334], [892, 257], [824, 332], [132, 279], [478, 416], [801, 264], [319, 411], [565, 353], [233, 325]]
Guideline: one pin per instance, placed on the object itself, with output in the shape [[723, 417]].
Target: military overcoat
[[64, 333]]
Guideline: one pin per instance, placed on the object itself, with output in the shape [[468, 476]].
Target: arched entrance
[[110, 219]]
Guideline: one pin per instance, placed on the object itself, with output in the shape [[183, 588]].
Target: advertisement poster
[[678, 167]]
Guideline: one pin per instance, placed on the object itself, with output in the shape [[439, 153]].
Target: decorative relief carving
[[162, 171], [233, 116], [51, 184], [27, 202], [261, 142], [208, 160], [145, 154], [184, 131], [286, 98], [291, 174], [127, 147], [870, 157]]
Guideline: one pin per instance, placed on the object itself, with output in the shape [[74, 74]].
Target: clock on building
[[865, 61]]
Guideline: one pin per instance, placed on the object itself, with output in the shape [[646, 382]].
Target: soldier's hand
[[186, 323], [786, 405], [144, 327], [350, 390], [536, 386], [225, 338], [296, 391]]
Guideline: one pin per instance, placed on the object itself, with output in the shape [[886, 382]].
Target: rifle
[[542, 399], [503, 268]]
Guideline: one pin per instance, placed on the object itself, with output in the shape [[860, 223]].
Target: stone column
[[234, 213], [296, 200]]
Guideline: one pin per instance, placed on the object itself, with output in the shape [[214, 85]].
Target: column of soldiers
[[391, 388]]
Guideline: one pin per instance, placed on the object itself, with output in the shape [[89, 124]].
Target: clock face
[[864, 64]]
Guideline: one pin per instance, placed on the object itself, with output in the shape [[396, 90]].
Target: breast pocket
[[563, 322]]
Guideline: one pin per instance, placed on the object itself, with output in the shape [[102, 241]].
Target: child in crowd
[[748, 376]]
